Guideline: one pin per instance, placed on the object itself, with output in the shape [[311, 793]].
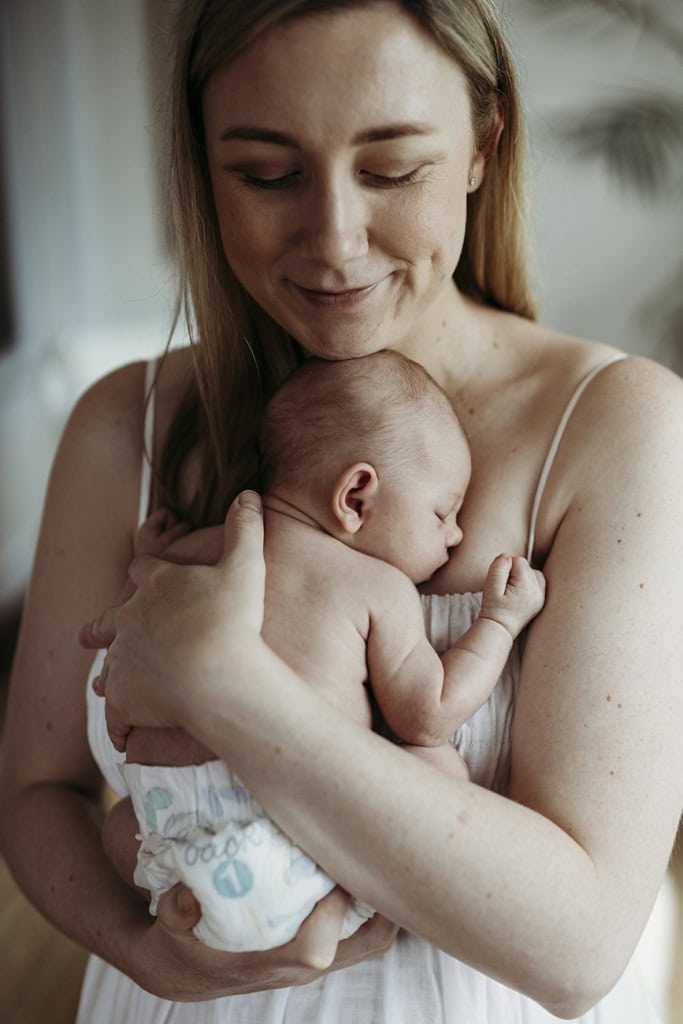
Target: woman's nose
[[334, 229]]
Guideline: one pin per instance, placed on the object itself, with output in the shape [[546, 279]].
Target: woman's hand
[[195, 972], [181, 621]]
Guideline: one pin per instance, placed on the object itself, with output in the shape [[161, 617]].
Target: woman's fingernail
[[250, 499]]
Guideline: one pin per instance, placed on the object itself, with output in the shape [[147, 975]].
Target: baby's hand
[[513, 593], [157, 532]]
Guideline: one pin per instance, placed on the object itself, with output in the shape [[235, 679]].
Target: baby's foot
[[178, 909]]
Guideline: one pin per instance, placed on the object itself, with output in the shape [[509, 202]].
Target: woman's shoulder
[[561, 363], [611, 382], [110, 409], [634, 407], [117, 401]]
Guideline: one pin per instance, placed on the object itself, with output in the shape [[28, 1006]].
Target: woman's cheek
[[433, 230]]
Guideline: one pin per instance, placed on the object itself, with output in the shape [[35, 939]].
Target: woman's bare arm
[[547, 891], [49, 784]]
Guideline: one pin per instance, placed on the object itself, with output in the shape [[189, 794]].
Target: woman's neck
[[453, 341]]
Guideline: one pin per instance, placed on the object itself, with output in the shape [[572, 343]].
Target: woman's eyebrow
[[383, 133], [253, 134], [394, 131]]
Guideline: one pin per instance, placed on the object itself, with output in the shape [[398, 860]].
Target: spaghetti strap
[[147, 440], [555, 444]]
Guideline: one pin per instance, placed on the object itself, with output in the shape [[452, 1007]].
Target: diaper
[[200, 826]]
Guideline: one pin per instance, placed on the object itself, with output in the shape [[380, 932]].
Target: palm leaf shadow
[[639, 139]]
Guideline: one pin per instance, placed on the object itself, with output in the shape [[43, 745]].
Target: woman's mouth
[[348, 298]]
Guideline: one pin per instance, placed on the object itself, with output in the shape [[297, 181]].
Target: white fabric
[[199, 825], [412, 983], [147, 441], [555, 444]]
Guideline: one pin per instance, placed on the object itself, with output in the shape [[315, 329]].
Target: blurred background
[[86, 282]]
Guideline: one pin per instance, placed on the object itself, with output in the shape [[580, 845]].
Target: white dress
[[412, 983]]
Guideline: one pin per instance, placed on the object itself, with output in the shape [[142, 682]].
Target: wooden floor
[[41, 971]]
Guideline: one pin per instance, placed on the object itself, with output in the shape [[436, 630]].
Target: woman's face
[[340, 148]]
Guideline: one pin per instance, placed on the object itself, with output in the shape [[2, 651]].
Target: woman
[[347, 175]]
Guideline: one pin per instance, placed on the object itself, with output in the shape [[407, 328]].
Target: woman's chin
[[336, 351]]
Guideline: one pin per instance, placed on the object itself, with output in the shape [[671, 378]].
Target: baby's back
[[320, 597]]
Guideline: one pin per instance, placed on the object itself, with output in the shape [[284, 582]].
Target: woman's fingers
[[374, 937], [243, 540], [118, 725], [99, 683], [242, 558], [316, 942]]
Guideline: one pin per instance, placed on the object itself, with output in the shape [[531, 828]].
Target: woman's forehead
[[367, 64]]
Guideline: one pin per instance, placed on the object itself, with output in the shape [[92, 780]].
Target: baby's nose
[[454, 534]]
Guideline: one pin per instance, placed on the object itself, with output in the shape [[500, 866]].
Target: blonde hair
[[240, 354], [326, 416]]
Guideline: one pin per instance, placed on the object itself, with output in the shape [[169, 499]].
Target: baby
[[365, 467]]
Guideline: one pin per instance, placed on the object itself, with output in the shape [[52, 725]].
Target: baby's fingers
[[524, 578], [498, 576], [99, 632]]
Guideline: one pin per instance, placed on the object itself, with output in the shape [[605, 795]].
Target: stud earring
[[472, 181]]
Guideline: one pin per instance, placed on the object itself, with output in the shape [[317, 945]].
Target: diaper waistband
[[206, 796]]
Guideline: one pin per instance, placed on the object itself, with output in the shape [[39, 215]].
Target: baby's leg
[[444, 757], [119, 840], [178, 909]]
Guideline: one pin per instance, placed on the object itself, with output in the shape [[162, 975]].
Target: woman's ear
[[353, 495], [481, 157]]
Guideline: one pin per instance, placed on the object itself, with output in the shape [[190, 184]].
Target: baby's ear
[[353, 495]]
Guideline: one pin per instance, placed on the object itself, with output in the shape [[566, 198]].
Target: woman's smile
[[337, 299]]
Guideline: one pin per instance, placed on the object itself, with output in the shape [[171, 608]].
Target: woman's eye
[[395, 180], [280, 182]]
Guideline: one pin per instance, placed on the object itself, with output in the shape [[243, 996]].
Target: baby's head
[[372, 450]]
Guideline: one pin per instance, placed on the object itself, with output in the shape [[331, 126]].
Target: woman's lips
[[344, 299]]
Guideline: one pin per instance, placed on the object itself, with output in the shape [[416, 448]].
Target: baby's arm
[[424, 698], [514, 594]]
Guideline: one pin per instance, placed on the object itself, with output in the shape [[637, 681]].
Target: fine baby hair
[[380, 409]]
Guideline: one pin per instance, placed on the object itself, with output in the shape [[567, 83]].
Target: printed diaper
[[199, 825]]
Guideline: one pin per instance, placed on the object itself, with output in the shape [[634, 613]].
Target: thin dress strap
[[555, 444], [147, 440]]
